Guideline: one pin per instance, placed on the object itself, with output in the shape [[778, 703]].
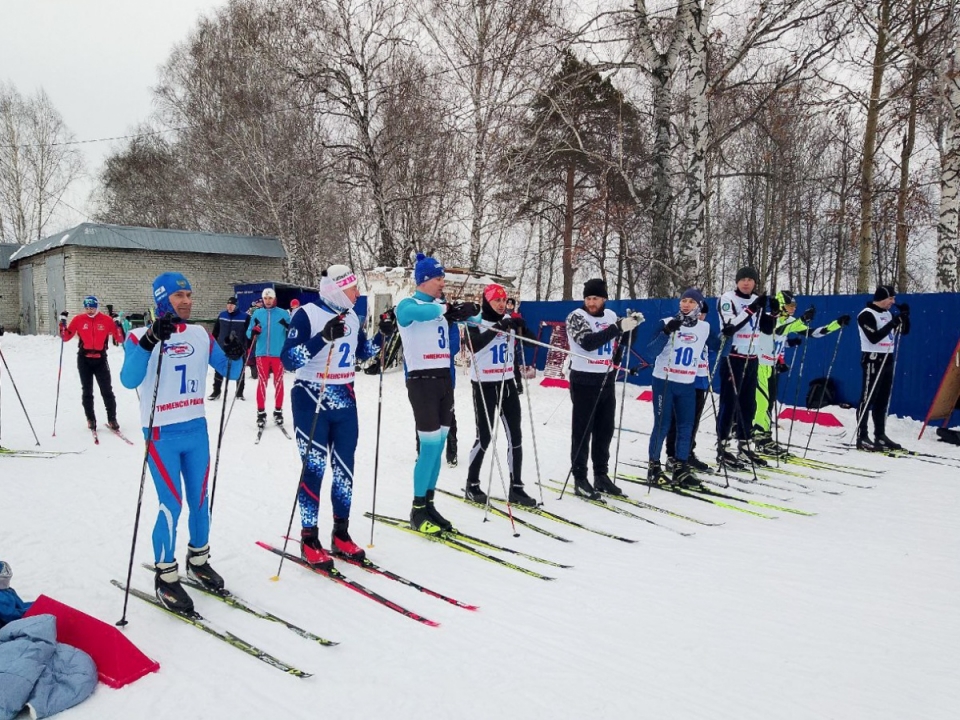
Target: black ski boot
[[420, 519], [92, 423], [747, 455], [169, 591], [603, 483], [341, 544], [475, 493], [438, 519], [583, 488], [671, 465], [261, 419], [684, 477], [198, 568], [696, 464], [518, 496], [726, 459], [113, 425], [214, 395], [885, 443], [312, 552], [865, 443], [655, 474], [278, 417]]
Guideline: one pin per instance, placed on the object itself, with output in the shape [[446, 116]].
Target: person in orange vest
[[94, 330]]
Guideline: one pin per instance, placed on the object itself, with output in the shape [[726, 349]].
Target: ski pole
[[243, 369], [586, 432], [56, 405], [493, 427], [533, 434], [14, 383], [623, 399], [376, 452], [796, 393], [143, 476], [893, 370], [306, 457], [223, 425], [862, 412], [826, 383]]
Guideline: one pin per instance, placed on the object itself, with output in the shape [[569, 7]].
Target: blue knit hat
[[693, 294], [90, 302], [426, 268], [164, 286]]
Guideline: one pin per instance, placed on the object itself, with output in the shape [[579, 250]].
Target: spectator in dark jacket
[[231, 322]]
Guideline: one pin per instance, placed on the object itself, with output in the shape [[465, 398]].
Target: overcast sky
[[96, 59]]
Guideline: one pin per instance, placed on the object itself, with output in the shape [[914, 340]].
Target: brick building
[[9, 288], [118, 264]]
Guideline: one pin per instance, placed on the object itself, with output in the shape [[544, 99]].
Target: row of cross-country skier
[[322, 342]]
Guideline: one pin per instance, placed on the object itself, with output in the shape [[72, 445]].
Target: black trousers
[[701, 400], [592, 430], [451, 437], [218, 383], [738, 396], [98, 368], [878, 378], [485, 399]]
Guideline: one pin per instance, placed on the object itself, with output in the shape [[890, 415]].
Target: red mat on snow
[[118, 660], [555, 382], [824, 418], [646, 396]]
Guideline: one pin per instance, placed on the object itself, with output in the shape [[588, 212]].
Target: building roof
[[138, 238], [6, 250]]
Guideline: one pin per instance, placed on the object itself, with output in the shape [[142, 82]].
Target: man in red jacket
[[94, 329]]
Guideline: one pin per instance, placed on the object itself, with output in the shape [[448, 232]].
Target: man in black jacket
[[231, 322], [879, 323]]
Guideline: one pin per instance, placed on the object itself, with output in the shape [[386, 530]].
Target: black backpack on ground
[[822, 392]]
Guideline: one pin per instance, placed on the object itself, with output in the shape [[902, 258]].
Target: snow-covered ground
[[848, 614]]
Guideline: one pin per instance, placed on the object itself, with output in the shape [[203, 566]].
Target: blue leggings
[[672, 402], [180, 450], [335, 438]]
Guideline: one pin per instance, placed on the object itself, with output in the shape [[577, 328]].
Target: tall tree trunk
[[870, 149], [947, 228], [903, 191], [568, 237]]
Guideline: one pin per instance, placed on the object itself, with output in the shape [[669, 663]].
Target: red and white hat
[[342, 276]]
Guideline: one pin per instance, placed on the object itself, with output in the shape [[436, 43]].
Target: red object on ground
[[824, 418], [646, 396], [118, 660], [555, 382]]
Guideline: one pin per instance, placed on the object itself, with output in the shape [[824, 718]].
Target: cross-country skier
[[492, 369], [879, 326], [788, 332], [424, 325], [683, 339], [324, 341], [94, 330], [268, 329], [595, 337], [701, 387], [743, 319], [230, 322], [178, 445]]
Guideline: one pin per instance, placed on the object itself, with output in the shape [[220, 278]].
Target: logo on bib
[[178, 350]]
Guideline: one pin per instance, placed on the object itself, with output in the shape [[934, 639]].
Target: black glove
[[782, 367], [335, 328], [808, 315], [672, 325], [774, 305], [758, 304], [794, 341], [518, 322], [729, 330], [284, 323], [506, 323], [904, 309], [896, 322], [233, 348], [63, 323], [163, 327], [843, 320], [387, 324], [519, 388], [458, 312]]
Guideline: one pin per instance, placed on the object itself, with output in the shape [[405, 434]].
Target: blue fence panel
[[935, 327]]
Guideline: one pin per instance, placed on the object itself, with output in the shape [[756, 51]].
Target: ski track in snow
[[848, 614]]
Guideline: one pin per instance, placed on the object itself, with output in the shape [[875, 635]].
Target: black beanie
[[747, 272], [883, 292], [596, 287]]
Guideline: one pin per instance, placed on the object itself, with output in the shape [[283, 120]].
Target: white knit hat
[[342, 276], [268, 293]]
